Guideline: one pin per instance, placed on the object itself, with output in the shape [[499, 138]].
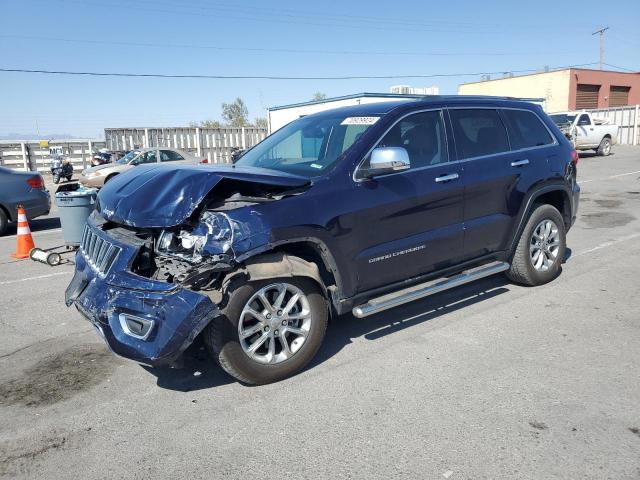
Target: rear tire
[[604, 149], [538, 256], [4, 222], [222, 335]]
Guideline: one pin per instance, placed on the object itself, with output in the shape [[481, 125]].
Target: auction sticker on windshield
[[359, 120]]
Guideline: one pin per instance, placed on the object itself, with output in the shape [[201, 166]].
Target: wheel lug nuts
[[279, 312], [284, 322], [268, 315], [276, 332], [266, 329]]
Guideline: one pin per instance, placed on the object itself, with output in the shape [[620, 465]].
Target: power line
[[623, 68], [277, 50], [271, 77], [253, 15], [316, 15]]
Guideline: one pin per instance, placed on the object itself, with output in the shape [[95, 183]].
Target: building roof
[[554, 71]]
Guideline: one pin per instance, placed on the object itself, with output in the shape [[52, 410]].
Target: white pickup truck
[[586, 132]]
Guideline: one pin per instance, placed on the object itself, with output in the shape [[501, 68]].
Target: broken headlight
[[215, 230], [218, 225]]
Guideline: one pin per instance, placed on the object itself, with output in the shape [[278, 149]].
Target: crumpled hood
[[158, 196]]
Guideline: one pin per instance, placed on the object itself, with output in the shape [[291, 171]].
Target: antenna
[[601, 32]]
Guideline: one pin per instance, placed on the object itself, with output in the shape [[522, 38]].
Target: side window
[[525, 129], [584, 120], [147, 157], [170, 156], [478, 132], [422, 135]]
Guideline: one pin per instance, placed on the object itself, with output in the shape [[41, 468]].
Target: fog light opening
[[136, 327]]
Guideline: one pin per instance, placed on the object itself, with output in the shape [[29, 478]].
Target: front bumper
[[92, 182], [177, 314]]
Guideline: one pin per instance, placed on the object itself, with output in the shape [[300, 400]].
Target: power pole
[[601, 32]]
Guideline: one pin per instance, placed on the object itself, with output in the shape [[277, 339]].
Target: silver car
[[21, 188], [96, 177]]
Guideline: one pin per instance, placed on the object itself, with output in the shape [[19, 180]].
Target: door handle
[[520, 163], [447, 178]]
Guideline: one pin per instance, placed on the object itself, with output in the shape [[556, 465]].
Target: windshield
[[561, 118], [308, 146], [128, 157]]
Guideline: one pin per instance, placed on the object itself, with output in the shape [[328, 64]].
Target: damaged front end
[[166, 278]]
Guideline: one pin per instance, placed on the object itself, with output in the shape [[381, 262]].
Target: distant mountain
[[32, 136]]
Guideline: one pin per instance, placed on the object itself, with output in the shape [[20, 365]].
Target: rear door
[[503, 152], [171, 156], [411, 221]]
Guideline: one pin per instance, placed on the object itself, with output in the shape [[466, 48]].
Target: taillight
[[204, 160], [36, 182], [574, 157]]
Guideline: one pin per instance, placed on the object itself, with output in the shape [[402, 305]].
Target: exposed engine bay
[[198, 252]]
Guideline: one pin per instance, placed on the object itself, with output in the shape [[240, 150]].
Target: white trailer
[[282, 115]]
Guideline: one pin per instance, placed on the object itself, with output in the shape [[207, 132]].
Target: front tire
[[604, 149], [269, 329], [56, 179], [538, 256], [110, 177]]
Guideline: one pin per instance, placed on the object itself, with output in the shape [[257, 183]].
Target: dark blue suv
[[358, 209]]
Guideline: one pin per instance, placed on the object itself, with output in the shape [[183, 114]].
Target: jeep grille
[[99, 253]]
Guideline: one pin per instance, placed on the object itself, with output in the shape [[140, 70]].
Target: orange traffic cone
[[25, 241]]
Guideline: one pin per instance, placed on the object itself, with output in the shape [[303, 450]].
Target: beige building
[[569, 89]]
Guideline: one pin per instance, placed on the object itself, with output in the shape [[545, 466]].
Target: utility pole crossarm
[[601, 32]]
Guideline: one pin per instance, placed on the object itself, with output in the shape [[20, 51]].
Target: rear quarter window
[[526, 130]]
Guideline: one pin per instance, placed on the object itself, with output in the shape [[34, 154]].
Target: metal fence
[[35, 155], [216, 144], [627, 118]]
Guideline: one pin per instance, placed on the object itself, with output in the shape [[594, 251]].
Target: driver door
[[585, 132], [150, 156], [411, 222]]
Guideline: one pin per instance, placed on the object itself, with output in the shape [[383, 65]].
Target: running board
[[417, 292]]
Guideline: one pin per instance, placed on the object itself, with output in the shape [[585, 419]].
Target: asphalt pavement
[[487, 381]]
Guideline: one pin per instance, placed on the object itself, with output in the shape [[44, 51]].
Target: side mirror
[[387, 160]]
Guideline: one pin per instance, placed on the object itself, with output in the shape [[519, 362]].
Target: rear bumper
[[176, 315], [575, 203], [36, 203]]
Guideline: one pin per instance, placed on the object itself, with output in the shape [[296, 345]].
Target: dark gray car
[[21, 188]]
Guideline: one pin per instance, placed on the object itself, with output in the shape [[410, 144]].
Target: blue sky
[[194, 37]]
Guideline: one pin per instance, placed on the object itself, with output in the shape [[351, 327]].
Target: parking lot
[[490, 380]]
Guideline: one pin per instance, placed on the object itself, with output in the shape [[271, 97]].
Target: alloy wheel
[[544, 245], [274, 323]]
